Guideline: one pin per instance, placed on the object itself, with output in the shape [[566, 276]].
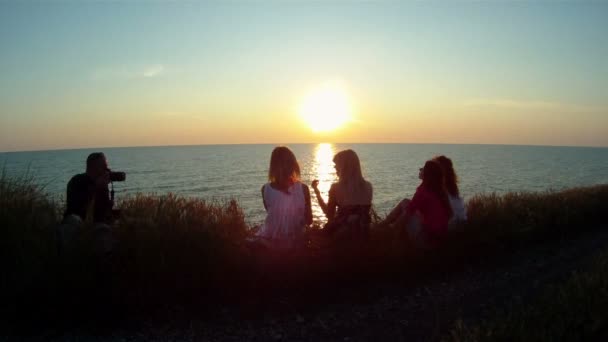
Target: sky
[[101, 74]]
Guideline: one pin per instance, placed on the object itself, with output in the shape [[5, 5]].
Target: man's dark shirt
[[81, 192]]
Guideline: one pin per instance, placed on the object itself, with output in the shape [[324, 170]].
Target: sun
[[326, 108]]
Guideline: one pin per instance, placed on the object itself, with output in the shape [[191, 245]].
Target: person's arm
[[102, 208], [77, 197], [307, 205], [315, 187], [331, 203], [396, 213], [411, 207], [416, 203], [263, 199], [329, 208]]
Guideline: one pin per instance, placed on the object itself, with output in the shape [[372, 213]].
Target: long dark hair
[[433, 180], [284, 169], [450, 178]]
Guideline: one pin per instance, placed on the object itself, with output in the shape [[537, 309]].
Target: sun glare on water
[[326, 108]]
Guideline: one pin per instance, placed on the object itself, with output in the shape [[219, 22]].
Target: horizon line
[[299, 143]]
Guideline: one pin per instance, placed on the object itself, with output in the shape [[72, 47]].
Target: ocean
[[219, 172]]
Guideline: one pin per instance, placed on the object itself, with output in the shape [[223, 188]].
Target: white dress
[[459, 213], [285, 221]]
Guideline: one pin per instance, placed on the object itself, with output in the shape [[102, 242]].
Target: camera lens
[[116, 176]]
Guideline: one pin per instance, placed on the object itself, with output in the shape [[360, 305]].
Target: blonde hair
[[351, 179], [284, 169]]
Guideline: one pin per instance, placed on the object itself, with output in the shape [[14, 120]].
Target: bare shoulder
[[369, 191], [305, 190], [262, 188], [334, 188]]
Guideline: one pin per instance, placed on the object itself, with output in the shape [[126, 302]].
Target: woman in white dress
[[287, 202], [459, 213]]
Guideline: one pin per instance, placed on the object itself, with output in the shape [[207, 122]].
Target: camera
[[116, 176]]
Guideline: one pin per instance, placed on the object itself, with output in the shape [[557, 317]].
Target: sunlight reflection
[[323, 170]]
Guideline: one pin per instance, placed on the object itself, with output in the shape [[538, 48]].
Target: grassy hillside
[[174, 251], [576, 310]]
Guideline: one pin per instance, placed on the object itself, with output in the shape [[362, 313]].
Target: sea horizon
[[237, 171], [305, 143]]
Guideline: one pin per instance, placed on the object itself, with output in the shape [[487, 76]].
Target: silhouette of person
[[451, 186], [287, 203], [88, 196], [425, 217], [350, 199]]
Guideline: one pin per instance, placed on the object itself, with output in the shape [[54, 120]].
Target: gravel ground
[[422, 311]]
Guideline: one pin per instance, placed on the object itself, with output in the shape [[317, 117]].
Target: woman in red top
[[426, 215]]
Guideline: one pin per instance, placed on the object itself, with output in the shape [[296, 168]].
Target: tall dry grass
[[27, 241], [517, 218], [178, 249], [174, 251]]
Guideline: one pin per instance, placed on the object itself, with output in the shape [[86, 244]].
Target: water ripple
[[238, 171]]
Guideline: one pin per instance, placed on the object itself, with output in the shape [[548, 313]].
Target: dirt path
[[396, 311]]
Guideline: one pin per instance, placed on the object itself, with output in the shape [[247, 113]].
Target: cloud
[[153, 70], [128, 72], [533, 105]]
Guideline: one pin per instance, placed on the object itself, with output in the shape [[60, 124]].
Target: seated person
[[451, 185], [425, 217], [88, 199], [88, 196], [350, 199], [287, 203]]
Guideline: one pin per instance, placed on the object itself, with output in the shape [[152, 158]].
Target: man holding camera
[[89, 200], [88, 195]]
